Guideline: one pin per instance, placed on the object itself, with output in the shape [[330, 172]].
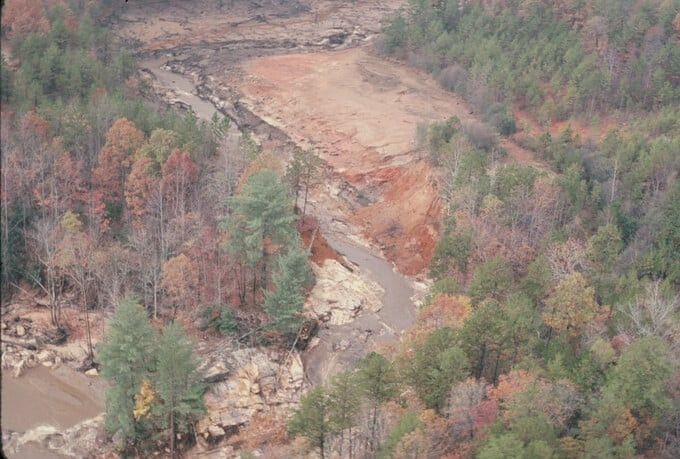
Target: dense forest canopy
[[556, 287], [555, 59], [113, 199]]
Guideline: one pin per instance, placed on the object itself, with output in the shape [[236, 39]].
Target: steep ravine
[[338, 345]]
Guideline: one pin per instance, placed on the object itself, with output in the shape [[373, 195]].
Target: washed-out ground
[[306, 74]]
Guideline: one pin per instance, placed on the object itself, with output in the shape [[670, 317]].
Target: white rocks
[[92, 372], [216, 432], [343, 345], [43, 356], [253, 381], [19, 368], [296, 370], [339, 294], [21, 331]]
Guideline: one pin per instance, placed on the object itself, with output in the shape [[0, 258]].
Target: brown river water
[[60, 398]]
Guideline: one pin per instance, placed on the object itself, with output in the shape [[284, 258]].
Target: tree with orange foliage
[[443, 311], [179, 173], [138, 188], [572, 306], [180, 281]]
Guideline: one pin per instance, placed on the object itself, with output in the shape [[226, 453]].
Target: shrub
[[454, 78], [480, 135], [497, 116]]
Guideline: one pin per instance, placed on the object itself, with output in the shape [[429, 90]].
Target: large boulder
[[340, 294]]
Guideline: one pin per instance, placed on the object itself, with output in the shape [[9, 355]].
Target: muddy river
[[59, 398]]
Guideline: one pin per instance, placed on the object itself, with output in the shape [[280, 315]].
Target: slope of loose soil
[[361, 112]]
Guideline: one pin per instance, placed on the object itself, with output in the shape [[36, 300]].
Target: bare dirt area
[[304, 73], [361, 112], [241, 28]]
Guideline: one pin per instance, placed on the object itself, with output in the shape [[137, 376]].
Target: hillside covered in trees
[[112, 200], [551, 323], [552, 326]]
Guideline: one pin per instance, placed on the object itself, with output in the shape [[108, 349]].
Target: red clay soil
[[580, 128], [360, 112], [406, 220], [320, 249]]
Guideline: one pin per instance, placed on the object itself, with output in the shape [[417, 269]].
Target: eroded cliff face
[[243, 382]]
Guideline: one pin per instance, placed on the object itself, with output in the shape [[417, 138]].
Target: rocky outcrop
[[340, 294], [19, 355], [244, 381], [81, 440]]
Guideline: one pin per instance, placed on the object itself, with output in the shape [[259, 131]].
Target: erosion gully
[[338, 346]]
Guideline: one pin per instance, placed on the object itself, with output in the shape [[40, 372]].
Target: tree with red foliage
[[115, 159], [23, 16]]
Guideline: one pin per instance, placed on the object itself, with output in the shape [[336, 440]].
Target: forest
[[551, 327], [119, 201]]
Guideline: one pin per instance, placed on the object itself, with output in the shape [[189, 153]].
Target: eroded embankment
[[338, 344]]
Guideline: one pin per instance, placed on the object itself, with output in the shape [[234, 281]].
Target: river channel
[[57, 398], [398, 311]]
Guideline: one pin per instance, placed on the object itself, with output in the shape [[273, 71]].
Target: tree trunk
[[304, 205], [495, 368], [480, 363], [350, 441], [172, 433], [90, 351], [155, 293], [374, 428]]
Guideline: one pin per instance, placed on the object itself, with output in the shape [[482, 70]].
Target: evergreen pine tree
[[261, 222], [177, 382], [344, 407], [311, 419], [284, 303], [126, 358], [378, 383]]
